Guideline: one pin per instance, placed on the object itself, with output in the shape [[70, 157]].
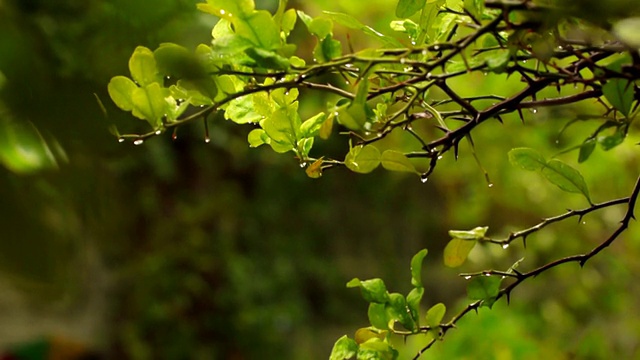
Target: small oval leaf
[[416, 268], [526, 158], [393, 160], [362, 160], [566, 178], [456, 251], [485, 288], [435, 315]]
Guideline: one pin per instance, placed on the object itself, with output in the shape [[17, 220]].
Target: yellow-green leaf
[[456, 251], [362, 159], [393, 160]]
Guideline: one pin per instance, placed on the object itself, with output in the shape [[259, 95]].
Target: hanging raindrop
[[424, 178], [138, 142], [120, 140], [467, 277], [505, 246]]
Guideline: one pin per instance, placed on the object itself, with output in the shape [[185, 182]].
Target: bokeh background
[[187, 250]]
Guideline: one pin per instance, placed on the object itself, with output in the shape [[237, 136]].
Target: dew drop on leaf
[[303, 164]]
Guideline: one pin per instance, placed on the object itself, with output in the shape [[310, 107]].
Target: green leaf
[[620, 93], [609, 142], [476, 233], [142, 66], [475, 8], [248, 109], [406, 8], [427, 17], [565, 177], [628, 31], [281, 128], [314, 170], [376, 349], [311, 127], [321, 27], [149, 104], [435, 314], [259, 28], [288, 21], [362, 160], [373, 290], [197, 91], [485, 288], [267, 59], [393, 160], [498, 60], [228, 9], [327, 49], [377, 314], [344, 349], [397, 310], [526, 158], [175, 60], [121, 90], [364, 334], [416, 268], [257, 137], [413, 303], [586, 149], [456, 251], [353, 23]]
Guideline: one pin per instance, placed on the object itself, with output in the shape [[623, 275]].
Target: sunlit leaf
[[476, 233], [343, 349], [628, 31], [259, 28], [362, 159], [121, 90], [257, 137], [373, 290], [456, 251], [413, 303], [228, 9], [416, 267], [377, 315], [565, 177], [311, 127], [267, 59], [364, 334], [397, 310], [435, 314], [526, 158], [485, 288], [376, 349], [142, 66], [149, 104], [406, 8], [314, 170], [393, 160]]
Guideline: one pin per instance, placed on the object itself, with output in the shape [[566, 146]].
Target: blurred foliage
[[218, 251]]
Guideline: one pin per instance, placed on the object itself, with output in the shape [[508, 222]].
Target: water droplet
[[436, 48], [428, 75], [485, 73], [490, 185], [534, 110], [403, 60], [138, 142], [424, 178], [120, 140], [413, 42], [158, 132], [439, 157], [524, 61], [584, 223], [424, 52], [557, 141], [303, 164], [348, 65], [467, 277], [207, 140], [505, 246], [486, 273], [222, 12]]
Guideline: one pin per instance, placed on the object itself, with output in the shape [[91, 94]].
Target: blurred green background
[[186, 250]]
